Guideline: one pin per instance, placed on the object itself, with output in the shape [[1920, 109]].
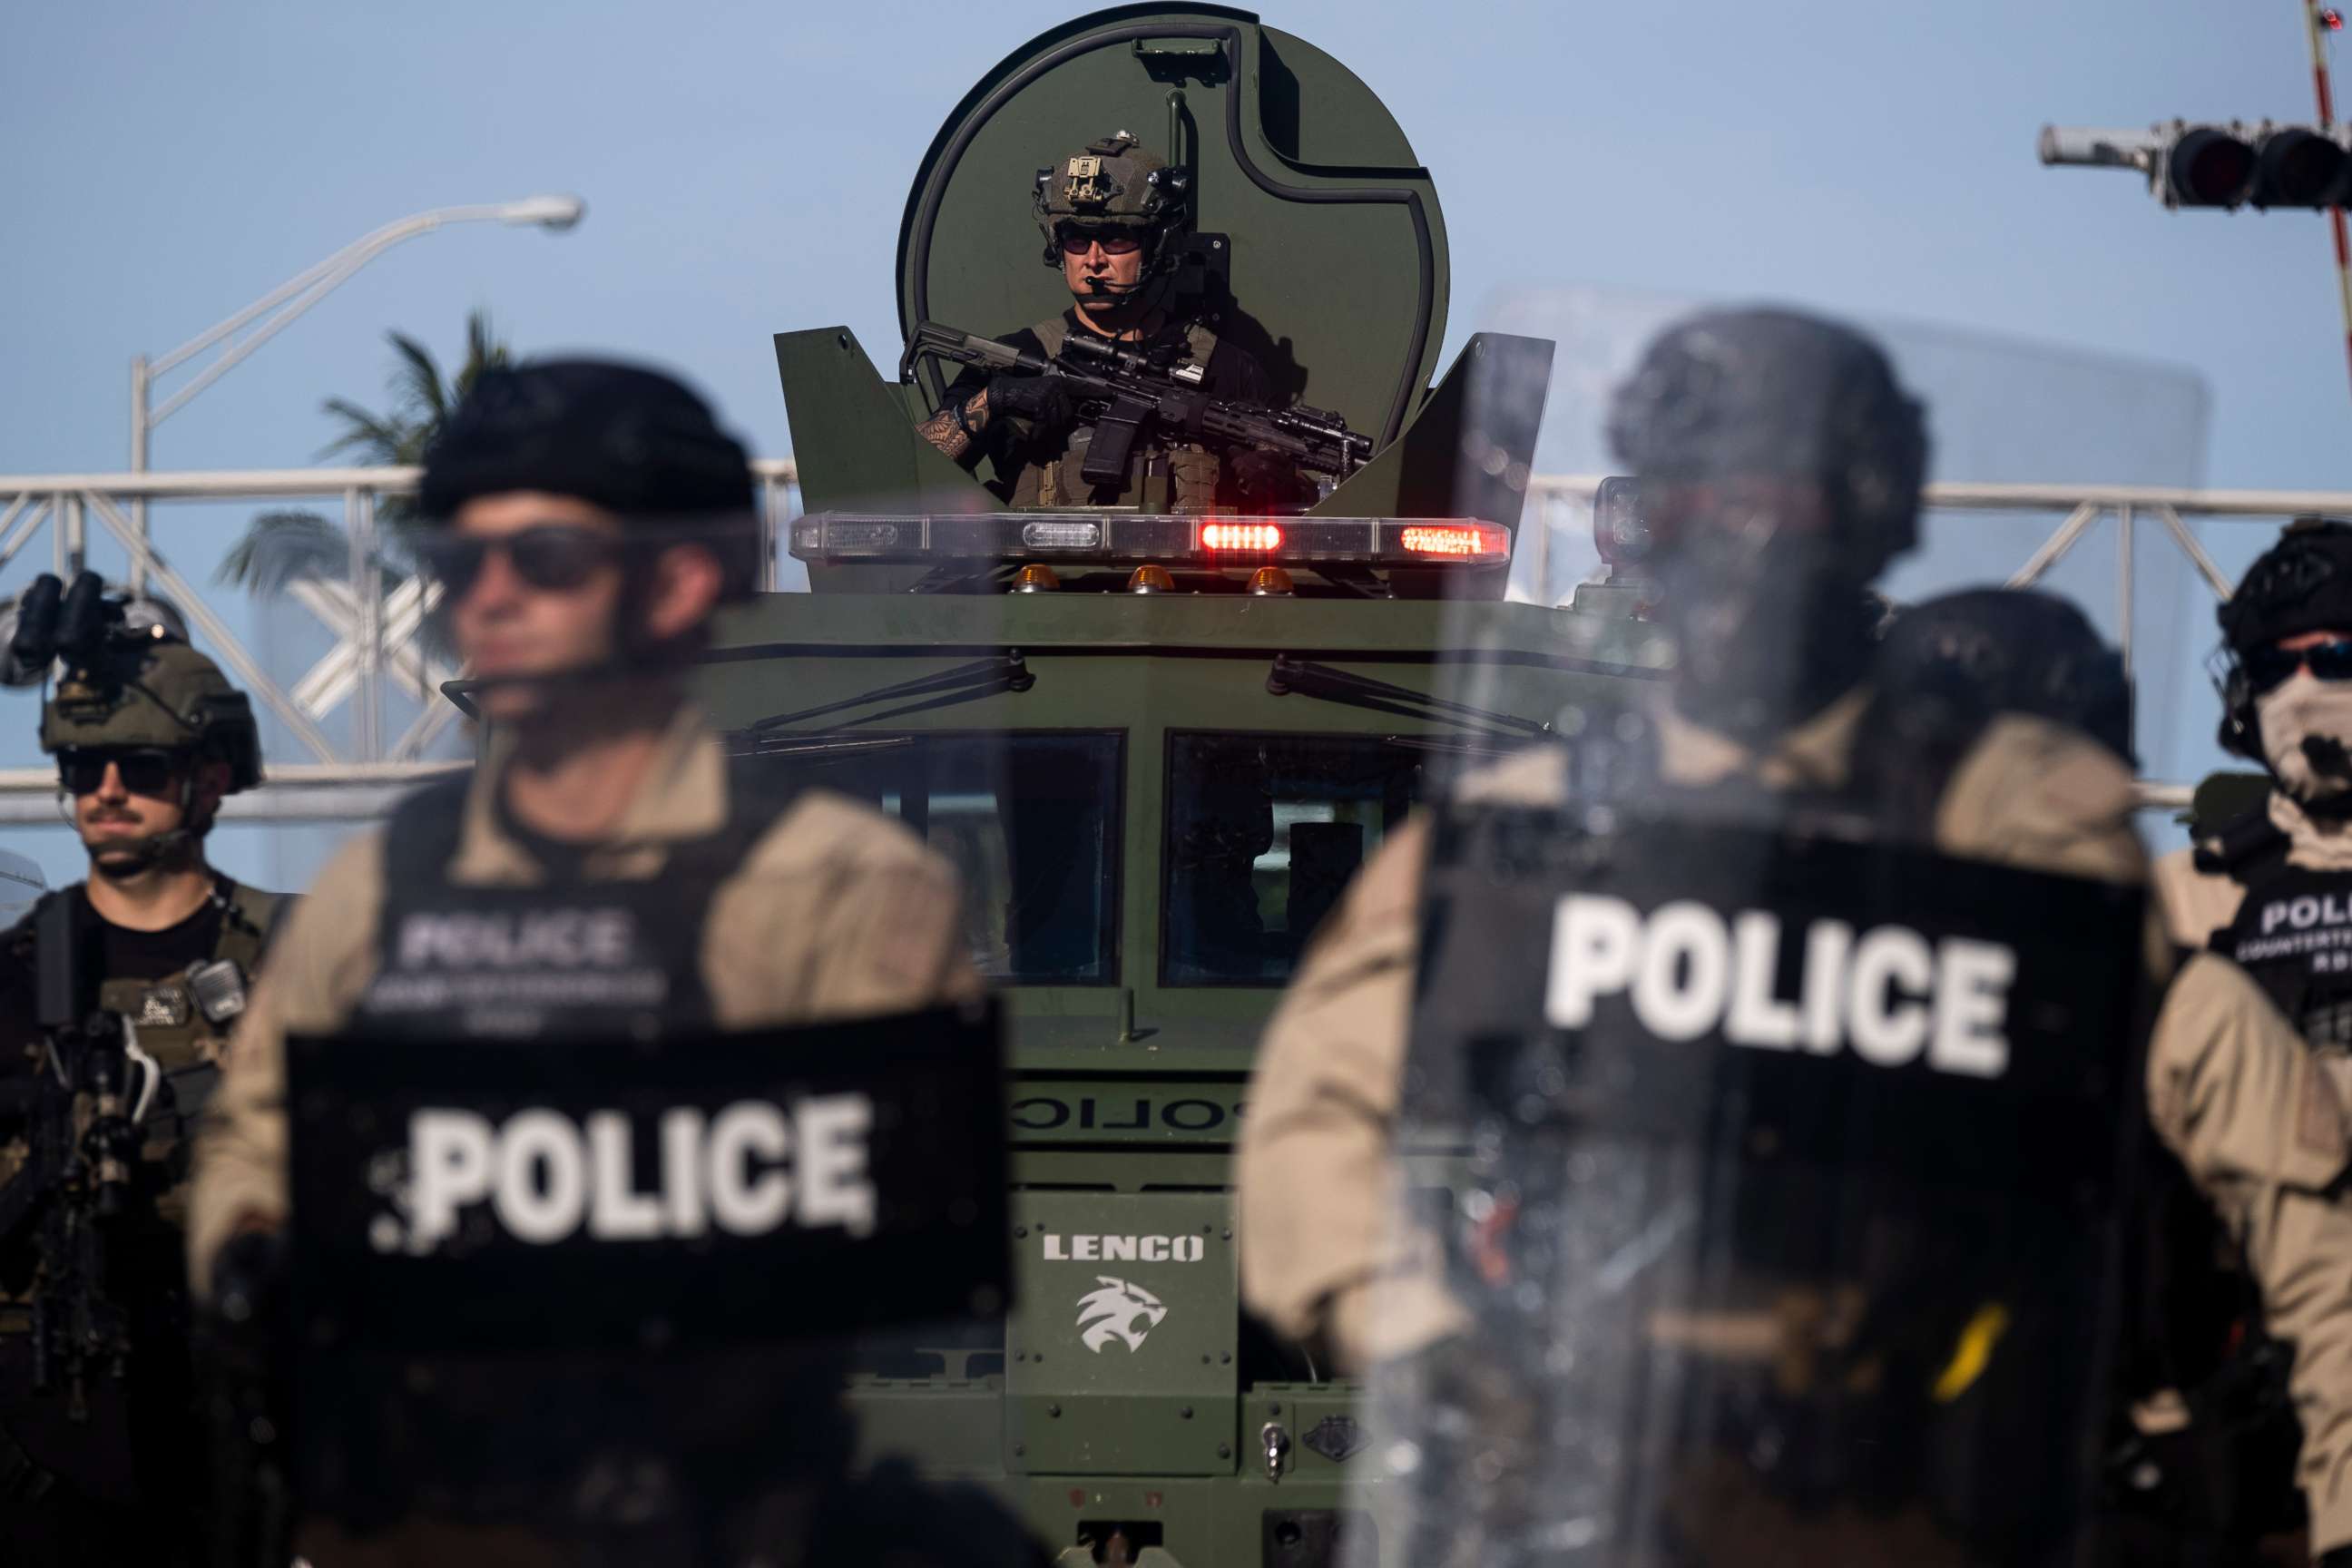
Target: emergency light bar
[[1129, 538]]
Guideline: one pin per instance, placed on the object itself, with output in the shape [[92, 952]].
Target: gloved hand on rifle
[[1042, 400], [1267, 481]]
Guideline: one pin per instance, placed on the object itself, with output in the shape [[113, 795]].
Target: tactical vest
[[2293, 934], [167, 1021], [164, 1021], [590, 959], [1175, 476]]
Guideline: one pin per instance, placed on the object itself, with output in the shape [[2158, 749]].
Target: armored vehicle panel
[[1334, 248], [1151, 799], [1158, 745]]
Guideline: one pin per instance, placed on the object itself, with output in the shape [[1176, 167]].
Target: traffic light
[[2232, 166]]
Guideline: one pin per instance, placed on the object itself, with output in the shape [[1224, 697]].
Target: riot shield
[[1783, 1196], [1754, 1061], [591, 1298]]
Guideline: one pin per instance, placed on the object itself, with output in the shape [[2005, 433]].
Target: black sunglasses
[[147, 770], [1114, 242], [550, 556], [2270, 666]]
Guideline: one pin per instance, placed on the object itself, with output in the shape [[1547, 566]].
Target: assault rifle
[[1120, 389], [76, 1179]]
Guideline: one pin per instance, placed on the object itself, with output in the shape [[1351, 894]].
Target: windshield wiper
[[964, 683], [1304, 679]]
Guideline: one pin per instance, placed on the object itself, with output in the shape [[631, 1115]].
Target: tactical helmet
[[1114, 184], [2012, 650], [1779, 465], [153, 692], [2302, 583], [1749, 395], [625, 437]]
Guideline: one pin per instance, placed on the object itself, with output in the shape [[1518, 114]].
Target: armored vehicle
[[1159, 744]]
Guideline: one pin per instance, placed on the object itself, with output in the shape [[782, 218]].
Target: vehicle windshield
[[1029, 819], [1263, 833]]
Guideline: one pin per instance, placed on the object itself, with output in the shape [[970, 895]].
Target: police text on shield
[[746, 1170], [1889, 994]]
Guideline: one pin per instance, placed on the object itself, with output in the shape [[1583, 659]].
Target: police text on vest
[[1889, 994], [746, 1170]]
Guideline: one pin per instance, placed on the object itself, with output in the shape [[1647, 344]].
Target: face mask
[[1765, 637], [2301, 717]]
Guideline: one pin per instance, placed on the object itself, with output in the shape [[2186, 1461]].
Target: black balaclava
[[1782, 465]]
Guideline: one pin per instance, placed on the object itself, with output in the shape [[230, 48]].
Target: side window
[[1030, 820]]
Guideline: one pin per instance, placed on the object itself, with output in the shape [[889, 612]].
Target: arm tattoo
[[942, 431]]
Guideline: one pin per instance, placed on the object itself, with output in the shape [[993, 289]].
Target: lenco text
[[1124, 1248]]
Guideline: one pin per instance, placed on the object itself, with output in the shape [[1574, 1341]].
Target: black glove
[[1042, 400], [249, 1285], [1263, 479], [2336, 1557]]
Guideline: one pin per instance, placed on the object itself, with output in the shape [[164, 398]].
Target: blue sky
[[745, 165]]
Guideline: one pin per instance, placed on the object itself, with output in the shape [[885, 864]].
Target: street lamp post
[[276, 309]]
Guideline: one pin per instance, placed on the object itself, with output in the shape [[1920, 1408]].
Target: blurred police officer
[[1955, 661], [590, 517], [2269, 888], [1782, 466], [1116, 217], [149, 738]]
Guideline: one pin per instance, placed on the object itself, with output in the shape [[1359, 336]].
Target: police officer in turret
[[149, 738], [1781, 463], [1115, 218]]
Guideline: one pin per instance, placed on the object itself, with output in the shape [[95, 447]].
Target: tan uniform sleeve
[[319, 962], [1323, 1249], [2235, 1093], [839, 912]]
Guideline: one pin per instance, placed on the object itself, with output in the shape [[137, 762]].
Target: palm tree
[[280, 548]]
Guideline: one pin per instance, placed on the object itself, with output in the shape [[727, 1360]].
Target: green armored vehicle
[[1158, 743]]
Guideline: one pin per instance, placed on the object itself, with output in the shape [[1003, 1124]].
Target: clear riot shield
[[1783, 1200], [1768, 1044]]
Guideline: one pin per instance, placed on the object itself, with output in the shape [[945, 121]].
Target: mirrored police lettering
[[545, 1175], [1888, 993]]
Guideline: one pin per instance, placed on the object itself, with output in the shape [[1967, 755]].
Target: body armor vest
[[166, 1022], [2294, 936], [170, 1024], [590, 959], [1174, 476]]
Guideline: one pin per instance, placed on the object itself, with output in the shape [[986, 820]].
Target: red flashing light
[[1456, 539], [2332, 19], [1241, 536]]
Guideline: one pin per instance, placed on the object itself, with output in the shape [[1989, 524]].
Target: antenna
[[2319, 21]]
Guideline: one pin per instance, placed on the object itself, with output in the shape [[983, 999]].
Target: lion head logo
[[1115, 1311]]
